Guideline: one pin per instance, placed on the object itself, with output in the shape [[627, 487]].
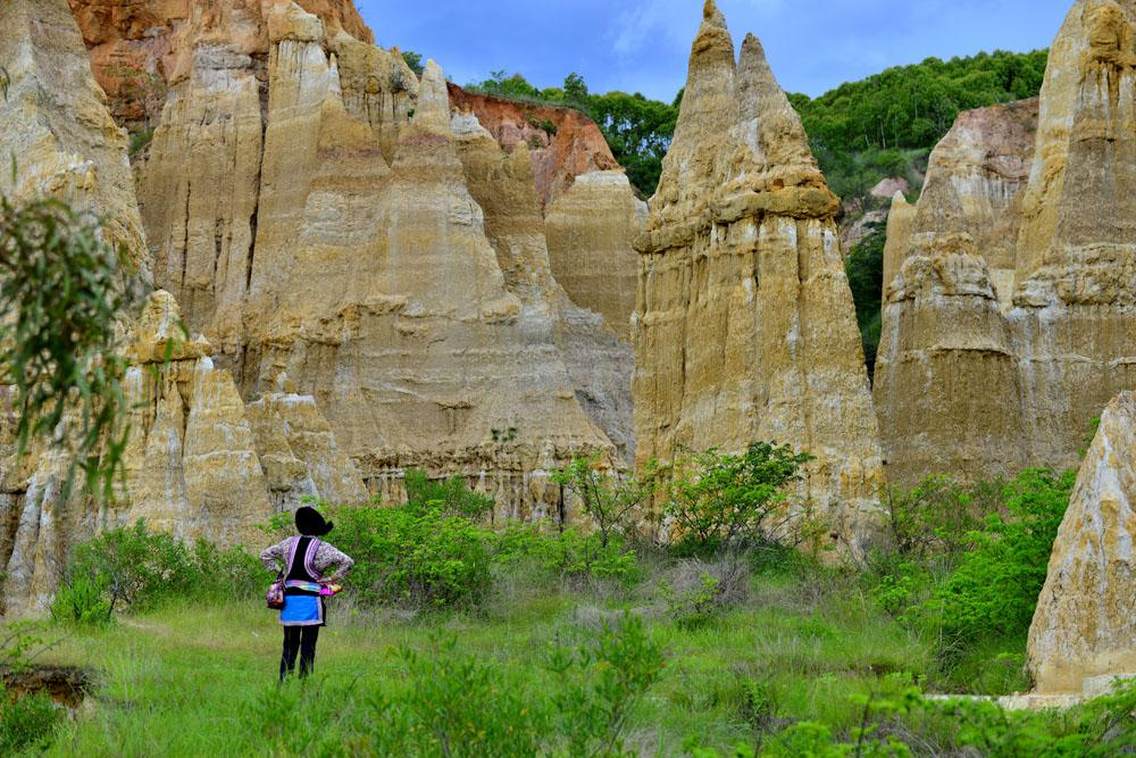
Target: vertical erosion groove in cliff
[[744, 325], [1011, 294]]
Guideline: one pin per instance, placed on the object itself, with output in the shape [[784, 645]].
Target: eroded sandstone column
[[1084, 626], [744, 323], [1074, 310], [947, 387]]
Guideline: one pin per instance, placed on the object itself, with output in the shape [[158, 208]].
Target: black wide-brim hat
[[310, 522]]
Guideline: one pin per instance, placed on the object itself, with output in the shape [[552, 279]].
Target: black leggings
[[301, 639]]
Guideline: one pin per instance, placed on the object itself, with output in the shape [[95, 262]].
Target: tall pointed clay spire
[[433, 110], [708, 111], [767, 117]]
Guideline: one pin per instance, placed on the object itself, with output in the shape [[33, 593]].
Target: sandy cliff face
[[1075, 298], [949, 269], [744, 326], [994, 355], [338, 237], [139, 50], [374, 259], [193, 465], [1083, 626], [591, 229]]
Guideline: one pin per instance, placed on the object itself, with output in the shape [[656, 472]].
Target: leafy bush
[[994, 590], [721, 500], [610, 501], [28, 722], [601, 683], [414, 554], [136, 569], [448, 699], [82, 600], [133, 567], [937, 516], [451, 497], [696, 591], [570, 553]]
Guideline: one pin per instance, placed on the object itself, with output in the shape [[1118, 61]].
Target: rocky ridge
[[744, 325]]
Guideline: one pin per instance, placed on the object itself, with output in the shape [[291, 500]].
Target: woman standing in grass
[[304, 563]]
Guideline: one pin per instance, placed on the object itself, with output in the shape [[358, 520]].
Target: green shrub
[[447, 706], [132, 568], [82, 600], [994, 590], [28, 722], [414, 554], [140, 140], [136, 567], [570, 553], [600, 684], [611, 502], [696, 592], [451, 497], [719, 500]]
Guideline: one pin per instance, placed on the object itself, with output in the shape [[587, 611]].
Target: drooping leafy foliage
[[60, 298]]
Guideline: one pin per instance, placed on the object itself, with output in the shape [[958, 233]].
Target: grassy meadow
[[191, 679], [458, 638]]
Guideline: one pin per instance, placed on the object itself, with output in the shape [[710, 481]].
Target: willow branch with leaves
[[59, 303]]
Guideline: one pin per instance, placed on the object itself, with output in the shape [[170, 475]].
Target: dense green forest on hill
[[863, 131]]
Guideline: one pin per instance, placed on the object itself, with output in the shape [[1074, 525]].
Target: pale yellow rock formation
[[900, 219], [744, 326], [975, 181], [385, 298], [300, 454], [55, 126], [192, 466], [598, 359], [969, 382], [590, 230], [199, 189], [1075, 298], [946, 381], [429, 330], [1084, 627]]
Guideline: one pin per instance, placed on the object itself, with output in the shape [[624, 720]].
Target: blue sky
[[642, 45]]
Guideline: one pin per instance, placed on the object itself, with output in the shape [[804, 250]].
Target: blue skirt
[[302, 610]]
